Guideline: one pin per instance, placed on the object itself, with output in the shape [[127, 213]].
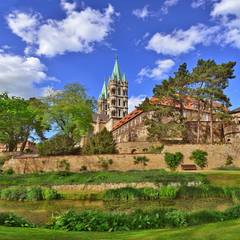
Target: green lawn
[[98, 178], [221, 231], [223, 178]]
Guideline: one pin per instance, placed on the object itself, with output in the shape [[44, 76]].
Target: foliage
[[141, 160], [70, 110], [57, 145], [63, 165], [28, 193], [229, 161], [105, 163], [50, 194], [11, 220], [173, 160], [157, 149], [200, 158], [9, 171], [160, 218], [100, 143], [21, 119], [160, 177]]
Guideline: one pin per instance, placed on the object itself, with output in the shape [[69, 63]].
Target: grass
[[158, 176], [223, 178], [222, 231]]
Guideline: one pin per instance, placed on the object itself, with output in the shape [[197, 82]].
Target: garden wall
[[217, 155]]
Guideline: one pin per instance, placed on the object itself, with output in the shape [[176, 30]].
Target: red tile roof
[[189, 104], [127, 118]]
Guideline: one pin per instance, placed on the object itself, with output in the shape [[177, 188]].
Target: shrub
[[14, 193], [35, 194], [200, 158], [157, 149], [50, 194], [141, 160], [105, 163], [177, 218], [63, 165], [100, 143], [11, 220], [58, 145], [173, 160], [229, 161], [83, 168], [9, 171]]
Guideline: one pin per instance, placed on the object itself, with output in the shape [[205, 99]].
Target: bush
[[35, 194], [30, 193], [200, 158], [57, 145], [141, 160], [229, 161], [11, 220], [63, 165], [100, 143], [173, 160], [105, 163], [177, 218], [9, 171], [157, 149], [83, 168], [50, 194]]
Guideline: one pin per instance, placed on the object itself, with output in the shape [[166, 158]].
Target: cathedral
[[112, 113], [112, 101]]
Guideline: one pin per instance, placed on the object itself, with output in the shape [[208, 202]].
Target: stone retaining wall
[[217, 155]]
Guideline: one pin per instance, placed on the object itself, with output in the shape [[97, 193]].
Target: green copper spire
[[116, 74], [103, 94]]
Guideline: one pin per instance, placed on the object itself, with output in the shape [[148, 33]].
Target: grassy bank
[[221, 231], [158, 176]]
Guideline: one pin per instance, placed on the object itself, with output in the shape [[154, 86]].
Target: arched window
[[119, 91], [113, 102], [113, 91]]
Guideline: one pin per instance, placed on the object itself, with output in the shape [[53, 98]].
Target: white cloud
[[167, 4], [198, 3], [142, 13], [226, 7], [158, 72], [68, 6], [180, 41], [20, 76], [24, 25], [134, 101], [78, 32], [228, 11]]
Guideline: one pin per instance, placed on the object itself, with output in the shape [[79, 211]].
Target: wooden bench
[[188, 167]]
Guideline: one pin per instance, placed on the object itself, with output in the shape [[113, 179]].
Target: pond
[[40, 212]]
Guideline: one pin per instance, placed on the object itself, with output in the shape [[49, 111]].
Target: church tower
[[113, 100]]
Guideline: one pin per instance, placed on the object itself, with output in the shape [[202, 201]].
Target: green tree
[[167, 119], [200, 158], [70, 110], [100, 143], [214, 79], [19, 121]]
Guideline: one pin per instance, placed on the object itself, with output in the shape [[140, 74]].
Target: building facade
[[112, 101]]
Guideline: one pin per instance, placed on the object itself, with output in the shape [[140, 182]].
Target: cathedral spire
[[103, 94], [116, 74]]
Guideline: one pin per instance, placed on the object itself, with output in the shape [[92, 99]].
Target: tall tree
[[18, 121], [216, 79], [70, 110]]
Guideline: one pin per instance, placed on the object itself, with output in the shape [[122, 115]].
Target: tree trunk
[[198, 123], [24, 143], [211, 121]]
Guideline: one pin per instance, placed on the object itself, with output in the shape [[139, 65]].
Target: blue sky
[[45, 44]]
